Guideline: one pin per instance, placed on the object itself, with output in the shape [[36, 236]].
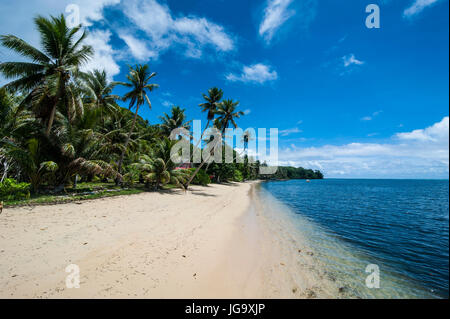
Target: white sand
[[207, 243]]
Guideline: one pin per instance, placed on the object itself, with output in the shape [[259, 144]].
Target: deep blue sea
[[400, 225]]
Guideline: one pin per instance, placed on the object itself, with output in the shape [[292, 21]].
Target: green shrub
[[201, 178], [237, 176], [11, 190]]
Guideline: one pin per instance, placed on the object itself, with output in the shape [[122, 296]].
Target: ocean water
[[402, 226]]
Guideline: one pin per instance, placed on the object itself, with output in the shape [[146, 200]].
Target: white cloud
[[417, 6], [276, 13], [290, 131], [165, 30], [90, 10], [104, 57], [138, 48], [421, 153], [350, 60], [166, 103], [257, 73], [371, 117], [435, 133], [17, 18]]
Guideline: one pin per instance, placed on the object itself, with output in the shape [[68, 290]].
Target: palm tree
[[158, 169], [48, 75], [175, 120], [227, 114], [210, 106], [99, 93], [138, 78], [29, 159]]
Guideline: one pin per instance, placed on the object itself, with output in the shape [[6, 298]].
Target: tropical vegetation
[[63, 130]]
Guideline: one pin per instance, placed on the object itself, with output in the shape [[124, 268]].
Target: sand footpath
[[208, 243]]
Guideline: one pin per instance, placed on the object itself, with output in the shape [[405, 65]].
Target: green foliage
[[201, 178], [288, 172], [238, 177], [10, 189], [59, 125]]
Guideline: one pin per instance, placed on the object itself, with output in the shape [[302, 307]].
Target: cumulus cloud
[[104, 57], [22, 25], [257, 73], [90, 10], [417, 7], [437, 133], [138, 48], [165, 30], [422, 153]]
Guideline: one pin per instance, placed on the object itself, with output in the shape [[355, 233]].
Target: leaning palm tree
[[227, 115], [176, 120], [138, 78], [46, 78], [210, 106]]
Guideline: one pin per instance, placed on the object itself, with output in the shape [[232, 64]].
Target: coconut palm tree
[[48, 75], [98, 92], [176, 120], [210, 106], [227, 115], [138, 78], [158, 169], [29, 159]]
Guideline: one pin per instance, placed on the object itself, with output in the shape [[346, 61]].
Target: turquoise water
[[400, 225]]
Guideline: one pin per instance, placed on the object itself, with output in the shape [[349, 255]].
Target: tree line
[[60, 125]]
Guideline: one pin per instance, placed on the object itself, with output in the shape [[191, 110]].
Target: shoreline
[[213, 242]]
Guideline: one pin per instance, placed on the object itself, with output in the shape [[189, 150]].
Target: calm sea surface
[[400, 225]]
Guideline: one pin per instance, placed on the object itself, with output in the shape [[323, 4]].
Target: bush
[[201, 178], [238, 177], [11, 190]]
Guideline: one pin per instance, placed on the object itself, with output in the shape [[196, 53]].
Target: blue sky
[[351, 101]]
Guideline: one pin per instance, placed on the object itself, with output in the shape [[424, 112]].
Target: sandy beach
[[209, 243]]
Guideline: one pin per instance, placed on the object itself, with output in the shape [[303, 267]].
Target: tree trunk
[[127, 141], [51, 119], [203, 162]]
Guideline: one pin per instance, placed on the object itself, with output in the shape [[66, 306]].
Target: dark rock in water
[[309, 253], [342, 290]]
